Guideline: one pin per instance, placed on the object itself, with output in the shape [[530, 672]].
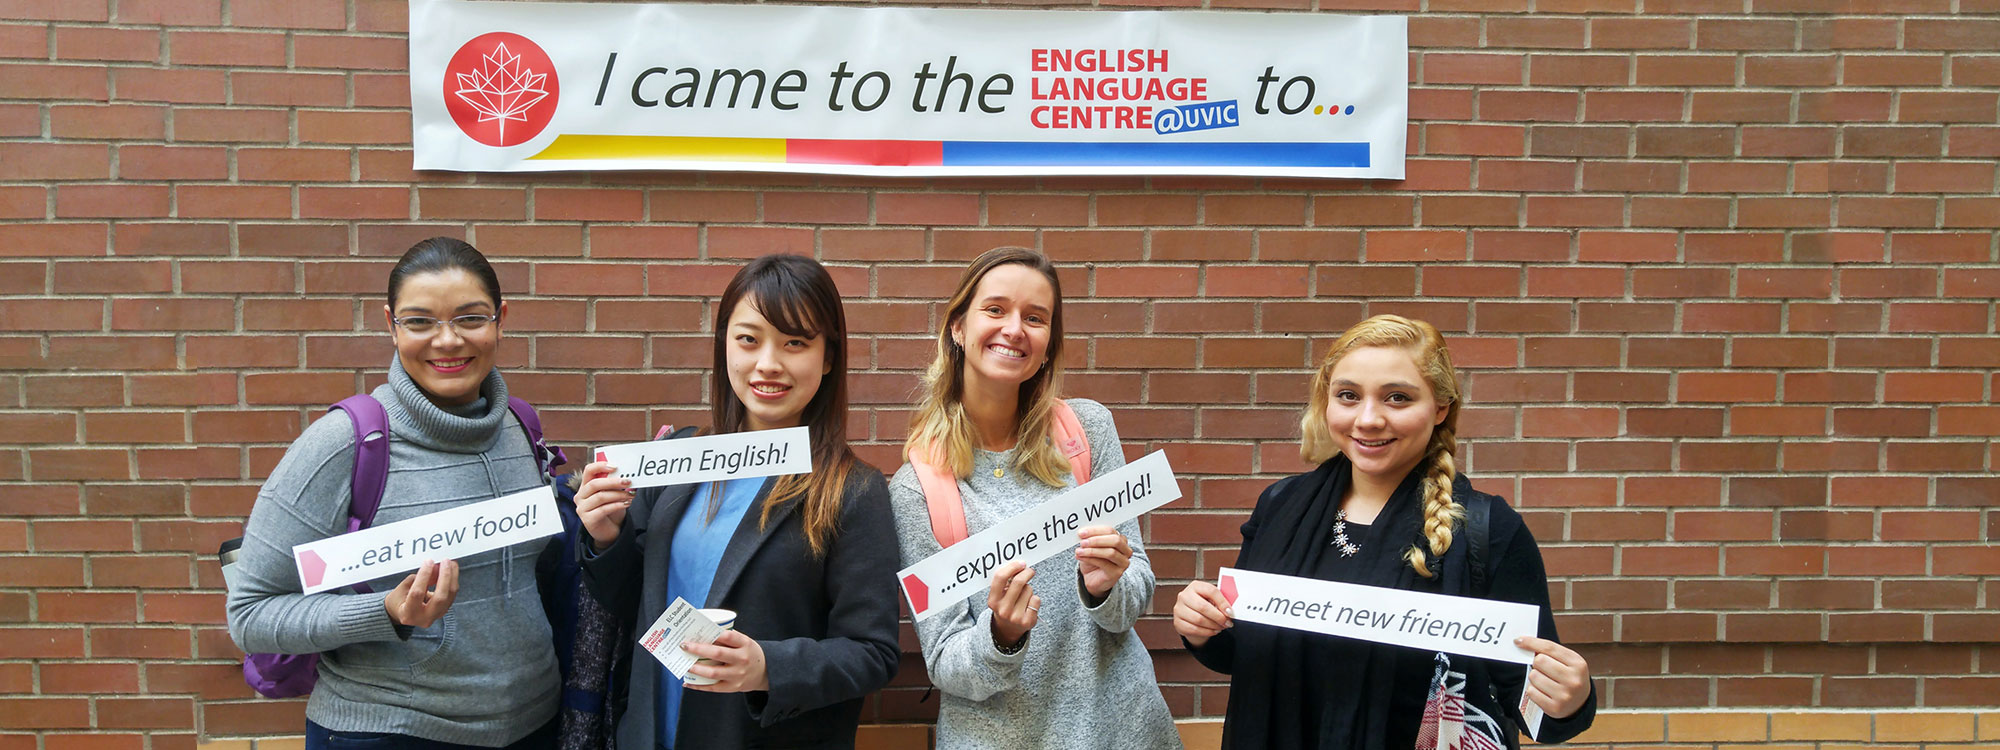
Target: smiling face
[[449, 364], [773, 373], [1005, 330], [1381, 412]]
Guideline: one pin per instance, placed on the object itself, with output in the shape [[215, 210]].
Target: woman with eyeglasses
[[459, 653]]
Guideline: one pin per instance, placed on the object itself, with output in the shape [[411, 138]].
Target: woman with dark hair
[[1049, 659], [807, 561], [1385, 507], [458, 653]]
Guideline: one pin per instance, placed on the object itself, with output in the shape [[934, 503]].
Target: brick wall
[[1721, 276]]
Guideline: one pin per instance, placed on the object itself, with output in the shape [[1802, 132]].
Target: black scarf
[[1323, 692]]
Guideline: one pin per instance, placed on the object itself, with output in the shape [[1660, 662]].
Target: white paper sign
[[1480, 628], [680, 623], [737, 455], [445, 535], [1434, 622], [1034, 535]]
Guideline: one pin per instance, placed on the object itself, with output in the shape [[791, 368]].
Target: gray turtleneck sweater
[[485, 674]]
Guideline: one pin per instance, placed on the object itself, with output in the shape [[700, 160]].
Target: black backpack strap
[[1478, 538]]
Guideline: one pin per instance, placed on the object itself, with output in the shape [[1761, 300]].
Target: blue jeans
[[321, 738]]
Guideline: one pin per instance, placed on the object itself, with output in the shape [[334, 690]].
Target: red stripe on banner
[[877, 153]]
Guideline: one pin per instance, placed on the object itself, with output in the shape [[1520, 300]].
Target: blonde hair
[[1426, 347], [940, 432]]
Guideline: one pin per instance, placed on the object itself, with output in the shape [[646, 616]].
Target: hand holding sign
[[423, 596], [1036, 534], [1559, 678], [1102, 558], [601, 502], [1201, 612], [1015, 606]]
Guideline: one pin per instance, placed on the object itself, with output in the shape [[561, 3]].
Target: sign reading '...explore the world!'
[[530, 86]]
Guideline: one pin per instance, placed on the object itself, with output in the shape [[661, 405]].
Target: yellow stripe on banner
[[608, 147]]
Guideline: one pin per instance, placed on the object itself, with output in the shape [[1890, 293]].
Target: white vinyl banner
[[736, 455], [1039, 533], [530, 86], [402, 546]]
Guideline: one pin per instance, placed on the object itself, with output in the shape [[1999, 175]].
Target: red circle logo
[[501, 89]]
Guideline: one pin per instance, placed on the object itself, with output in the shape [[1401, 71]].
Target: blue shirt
[[697, 552]]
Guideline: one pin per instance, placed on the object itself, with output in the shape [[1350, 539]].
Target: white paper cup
[[726, 618]]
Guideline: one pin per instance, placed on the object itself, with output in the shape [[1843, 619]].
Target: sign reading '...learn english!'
[[528, 86], [1039, 533], [736, 455]]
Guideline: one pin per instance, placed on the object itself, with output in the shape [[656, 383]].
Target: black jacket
[[827, 626], [1513, 573]]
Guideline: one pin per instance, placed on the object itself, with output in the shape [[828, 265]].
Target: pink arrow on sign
[[1229, 589], [313, 568], [920, 594]]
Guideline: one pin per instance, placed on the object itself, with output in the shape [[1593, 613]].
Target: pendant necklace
[[1347, 547]]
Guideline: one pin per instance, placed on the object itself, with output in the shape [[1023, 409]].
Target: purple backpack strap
[[546, 456], [371, 462], [371, 457]]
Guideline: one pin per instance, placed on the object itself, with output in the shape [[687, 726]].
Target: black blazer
[[827, 626]]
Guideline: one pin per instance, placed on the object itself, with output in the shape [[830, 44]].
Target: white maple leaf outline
[[502, 89]]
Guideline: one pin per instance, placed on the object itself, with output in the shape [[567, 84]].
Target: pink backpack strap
[[941, 495], [941, 487], [1070, 438]]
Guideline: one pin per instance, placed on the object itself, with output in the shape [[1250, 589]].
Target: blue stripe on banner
[[1030, 154]]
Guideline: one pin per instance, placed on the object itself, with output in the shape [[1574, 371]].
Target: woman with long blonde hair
[[1385, 507], [1049, 658]]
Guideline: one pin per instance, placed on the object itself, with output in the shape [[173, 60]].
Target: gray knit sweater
[[485, 674], [1084, 680]]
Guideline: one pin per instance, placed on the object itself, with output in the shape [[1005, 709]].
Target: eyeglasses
[[424, 325]]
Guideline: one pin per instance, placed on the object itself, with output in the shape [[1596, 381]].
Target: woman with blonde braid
[[1385, 507]]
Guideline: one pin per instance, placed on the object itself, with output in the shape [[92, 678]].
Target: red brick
[[288, 90], [289, 14], [353, 127], [354, 203], [171, 12], [52, 82], [589, 204], [1525, 106], [108, 122], [111, 201], [184, 390], [1136, 210], [349, 52], [51, 315], [94, 43], [1474, 140], [1037, 210], [54, 161]]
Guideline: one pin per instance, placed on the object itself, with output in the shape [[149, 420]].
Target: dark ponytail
[[439, 254]]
